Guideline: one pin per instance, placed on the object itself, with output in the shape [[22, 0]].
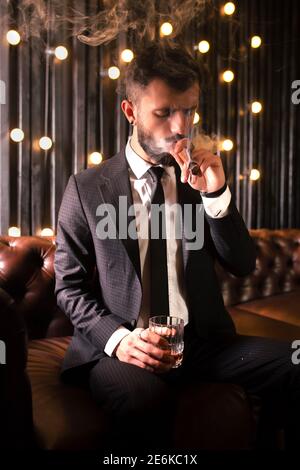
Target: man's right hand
[[145, 349]]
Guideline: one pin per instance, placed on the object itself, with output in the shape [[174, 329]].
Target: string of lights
[[59, 54]]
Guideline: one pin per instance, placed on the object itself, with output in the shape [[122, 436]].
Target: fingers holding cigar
[[189, 168]]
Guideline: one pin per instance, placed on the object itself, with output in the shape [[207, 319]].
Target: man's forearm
[[74, 265], [95, 323], [232, 241]]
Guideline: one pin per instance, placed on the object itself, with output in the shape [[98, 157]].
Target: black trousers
[[141, 402]]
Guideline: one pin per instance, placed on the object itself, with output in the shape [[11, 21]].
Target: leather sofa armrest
[[16, 430], [5, 298]]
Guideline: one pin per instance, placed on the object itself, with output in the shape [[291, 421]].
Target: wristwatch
[[214, 193]]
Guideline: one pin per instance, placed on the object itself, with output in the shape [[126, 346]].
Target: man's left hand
[[211, 177]]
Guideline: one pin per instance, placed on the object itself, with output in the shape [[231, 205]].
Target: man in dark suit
[[110, 277]]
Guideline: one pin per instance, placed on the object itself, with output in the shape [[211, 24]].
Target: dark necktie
[[159, 294]]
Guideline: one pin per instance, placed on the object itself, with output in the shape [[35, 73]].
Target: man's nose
[[179, 123]]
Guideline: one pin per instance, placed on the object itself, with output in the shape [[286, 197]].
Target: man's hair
[[169, 62]]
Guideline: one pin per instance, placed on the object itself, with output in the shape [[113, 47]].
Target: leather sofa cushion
[[282, 307], [252, 324], [65, 417]]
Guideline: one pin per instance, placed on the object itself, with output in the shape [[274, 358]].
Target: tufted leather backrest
[[277, 268], [27, 274]]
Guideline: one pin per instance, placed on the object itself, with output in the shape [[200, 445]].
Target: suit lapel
[[185, 195], [116, 183]]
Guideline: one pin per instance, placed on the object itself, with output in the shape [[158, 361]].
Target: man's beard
[[152, 150]]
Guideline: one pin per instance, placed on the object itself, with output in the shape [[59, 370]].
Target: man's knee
[[148, 396], [142, 398], [129, 391]]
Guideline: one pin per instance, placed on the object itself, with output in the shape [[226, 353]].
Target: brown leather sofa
[[65, 417], [267, 302]]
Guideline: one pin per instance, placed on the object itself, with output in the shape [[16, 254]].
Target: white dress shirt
[[141, 187]]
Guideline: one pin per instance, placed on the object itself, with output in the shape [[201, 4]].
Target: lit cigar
[[193, 166], [203, 142]]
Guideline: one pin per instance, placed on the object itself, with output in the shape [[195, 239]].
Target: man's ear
[[129, 111]]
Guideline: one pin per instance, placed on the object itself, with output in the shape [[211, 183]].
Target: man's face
[[164, 116]]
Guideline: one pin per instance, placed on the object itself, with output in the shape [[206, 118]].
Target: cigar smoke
[[100, 23], [200, 140], [111, 18]]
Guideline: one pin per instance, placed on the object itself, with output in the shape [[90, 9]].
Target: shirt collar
[[139, 166]]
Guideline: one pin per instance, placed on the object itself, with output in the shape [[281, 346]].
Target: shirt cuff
[[115, 339], [217, 207]]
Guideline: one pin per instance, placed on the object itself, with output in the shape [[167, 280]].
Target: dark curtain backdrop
[[73, 103]]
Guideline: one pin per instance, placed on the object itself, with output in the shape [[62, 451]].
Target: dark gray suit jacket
[[98, 306]]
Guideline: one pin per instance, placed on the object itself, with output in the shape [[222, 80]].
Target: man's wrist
[[214, 193], [114, 353], [217, 207], [115, 340]]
